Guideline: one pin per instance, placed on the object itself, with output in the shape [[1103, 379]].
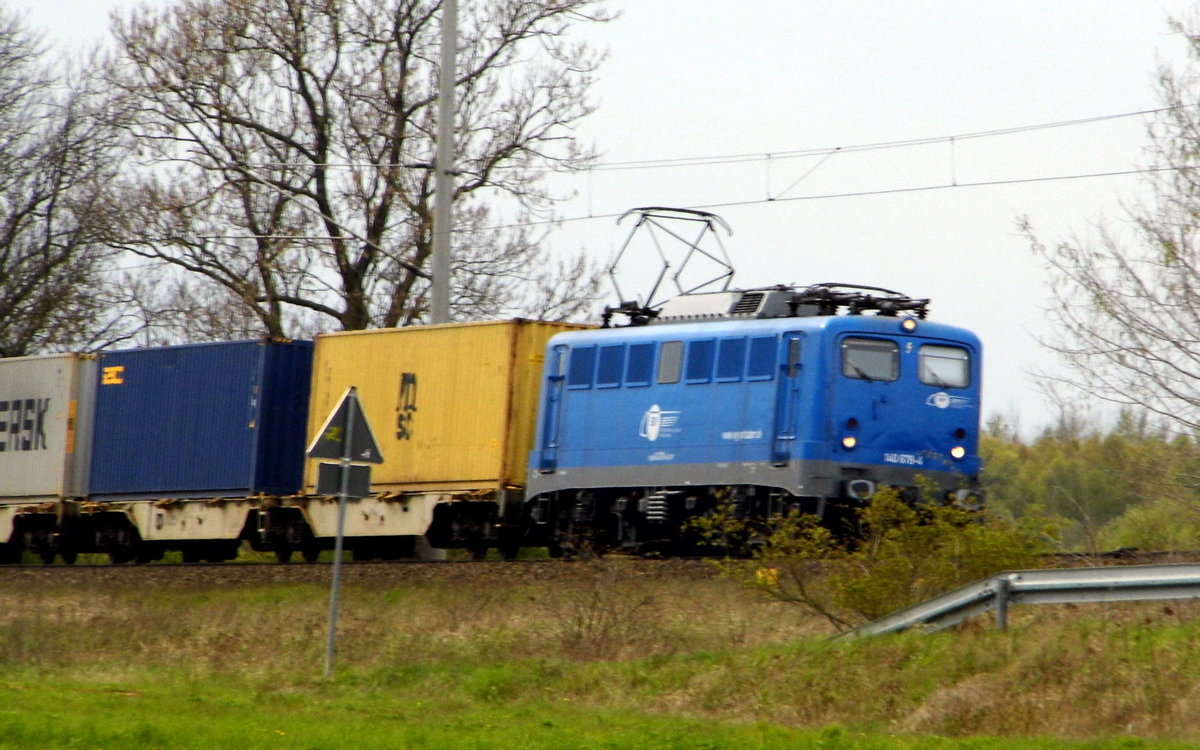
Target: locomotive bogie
[[662, 520]]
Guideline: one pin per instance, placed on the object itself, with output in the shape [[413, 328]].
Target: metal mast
[[443, 187]]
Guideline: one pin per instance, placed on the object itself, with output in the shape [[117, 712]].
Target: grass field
[[180, 714], [600, 659]]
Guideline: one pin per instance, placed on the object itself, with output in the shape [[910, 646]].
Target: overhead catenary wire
[[749, 157], [825, 152], [954, 185], [847, 194], [692, 161]]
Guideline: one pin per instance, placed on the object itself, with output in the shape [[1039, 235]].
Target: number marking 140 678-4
[[907, 459]]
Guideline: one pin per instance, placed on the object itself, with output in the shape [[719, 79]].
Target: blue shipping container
[[203, 420]]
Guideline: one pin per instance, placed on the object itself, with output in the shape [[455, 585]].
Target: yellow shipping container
[[453, 407]]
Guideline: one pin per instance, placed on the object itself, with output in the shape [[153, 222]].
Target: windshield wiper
[[860, 372], [938, 381]]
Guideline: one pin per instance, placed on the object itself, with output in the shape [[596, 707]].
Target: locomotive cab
[[904, 409]]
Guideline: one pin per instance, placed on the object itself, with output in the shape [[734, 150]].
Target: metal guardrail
[[1056, 586]]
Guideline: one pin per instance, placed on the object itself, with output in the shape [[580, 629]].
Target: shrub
[[1160, 524], [906, 554]]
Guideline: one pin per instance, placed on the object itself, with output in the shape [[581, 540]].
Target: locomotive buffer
[[347, 437]]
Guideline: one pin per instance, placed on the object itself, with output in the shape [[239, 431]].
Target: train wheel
[[192, 555], [69, 556], [283, 554], [47, 557], [223, 551], [307, 544], [478, 551]]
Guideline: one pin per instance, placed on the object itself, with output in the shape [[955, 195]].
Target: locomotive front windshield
[[945, 366], [870, 359]]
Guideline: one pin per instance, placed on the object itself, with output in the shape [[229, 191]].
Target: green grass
[[170, 712], [574, 657]]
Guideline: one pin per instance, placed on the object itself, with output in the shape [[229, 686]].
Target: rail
[[1054, 586]]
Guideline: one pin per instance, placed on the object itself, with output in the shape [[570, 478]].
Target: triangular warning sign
[[346, 434]]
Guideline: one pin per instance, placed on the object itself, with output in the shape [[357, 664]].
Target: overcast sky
[[688, 79]]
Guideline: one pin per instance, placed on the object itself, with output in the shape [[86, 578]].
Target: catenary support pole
[[443, 215]]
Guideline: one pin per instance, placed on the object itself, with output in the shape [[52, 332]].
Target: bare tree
[[1126, 304], [288, 148], [58, 152]]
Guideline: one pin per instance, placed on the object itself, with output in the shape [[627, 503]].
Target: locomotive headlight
[[909, 325], [957, 452], [849, 442]]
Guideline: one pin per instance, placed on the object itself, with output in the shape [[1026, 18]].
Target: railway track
[[353, 573], [418, 571], [1124, 556]]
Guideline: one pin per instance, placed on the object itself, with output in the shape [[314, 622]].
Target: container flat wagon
[[191, 444]]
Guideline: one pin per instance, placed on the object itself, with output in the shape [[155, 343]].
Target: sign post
[[347, 437]]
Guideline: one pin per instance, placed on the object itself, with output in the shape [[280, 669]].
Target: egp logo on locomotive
[[943, 400], [656, 422]]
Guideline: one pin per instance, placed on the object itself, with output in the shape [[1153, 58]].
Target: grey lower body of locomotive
[[649, 505], [827, 479]]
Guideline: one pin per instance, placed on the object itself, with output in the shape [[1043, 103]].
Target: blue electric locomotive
[[775, 399]]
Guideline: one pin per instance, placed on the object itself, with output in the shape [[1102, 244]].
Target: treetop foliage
[[1101, 484], [287, 149], [59, 147], [240, 168]]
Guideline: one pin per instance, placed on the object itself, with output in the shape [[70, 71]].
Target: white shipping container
[[46, 409]]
